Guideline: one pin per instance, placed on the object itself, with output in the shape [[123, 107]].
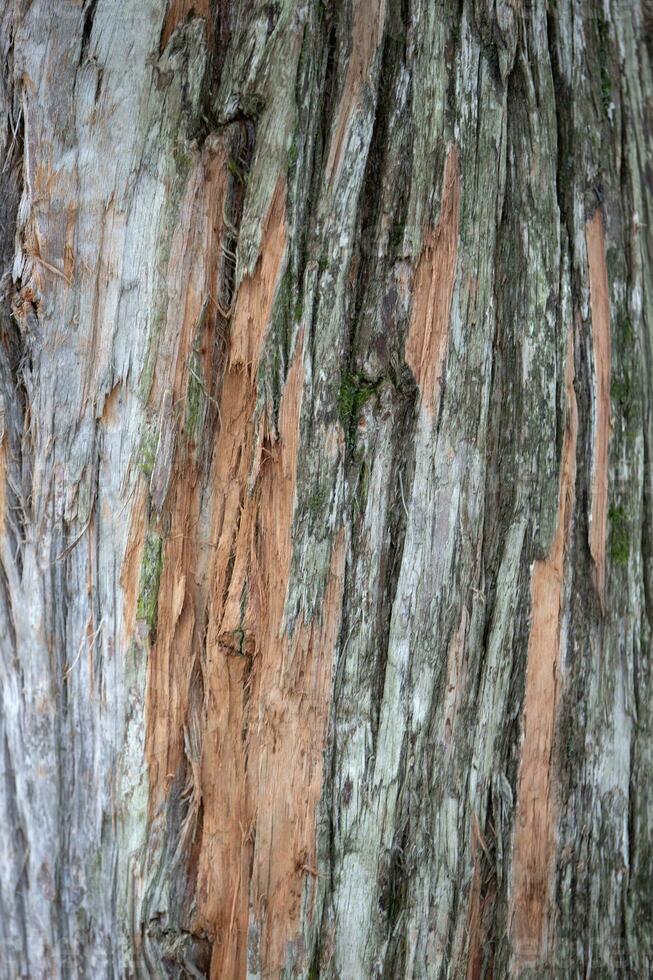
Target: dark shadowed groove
[[87, 28]]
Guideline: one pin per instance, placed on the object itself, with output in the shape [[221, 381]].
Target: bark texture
[[326, 473]]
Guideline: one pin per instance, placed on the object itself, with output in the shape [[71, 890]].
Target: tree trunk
[[326, 472]]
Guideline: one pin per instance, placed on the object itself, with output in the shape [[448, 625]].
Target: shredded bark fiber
[[367, 34], [193, 269], [131, 569], [261, 706], [268, 692], [178, 11], [428, 334], [535, 824]]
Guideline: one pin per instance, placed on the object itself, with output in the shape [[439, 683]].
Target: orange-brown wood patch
[[230, 679], [482, 896], [428, 333], [3, 485], [367, 34], [131, 569], [257, 776], [456, 677], [193, 265], [535, 824], [178, 11], [245, 722], [601, 342], [268, 696]]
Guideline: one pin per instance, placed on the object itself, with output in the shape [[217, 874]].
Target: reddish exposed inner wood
[[178, 11], [481, 909], [535, 825], [250, 719], [428, 334], [192, 273], [268, 693], [601, 341], [367, 34], [131, 569]]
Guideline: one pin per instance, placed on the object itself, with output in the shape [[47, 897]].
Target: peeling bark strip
[[258, 777], [426, 344], [178, 11], [3, 485], [367, 34], [480, 909], [131, 570], [535, 824], [601, 345], [190, 334], [267, 709], [268, 692]]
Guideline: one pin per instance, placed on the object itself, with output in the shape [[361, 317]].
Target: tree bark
[[326, 527]]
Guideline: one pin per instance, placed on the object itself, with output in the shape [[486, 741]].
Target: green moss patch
[[354, 391]]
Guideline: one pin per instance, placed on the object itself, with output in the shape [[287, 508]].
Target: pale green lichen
[[152, 563], [619, 535], [147, 455], [195, 397]]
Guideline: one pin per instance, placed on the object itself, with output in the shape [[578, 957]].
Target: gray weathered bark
[[326, 536]]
